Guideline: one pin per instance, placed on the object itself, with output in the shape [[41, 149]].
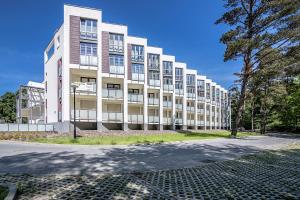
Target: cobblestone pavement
[[266, 175]]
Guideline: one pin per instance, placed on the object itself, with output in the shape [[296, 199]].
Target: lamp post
[[74, 110]]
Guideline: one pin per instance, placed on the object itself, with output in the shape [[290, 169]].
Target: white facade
[[122, 83]]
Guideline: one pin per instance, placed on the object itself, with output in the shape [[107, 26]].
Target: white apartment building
[[123, 83]]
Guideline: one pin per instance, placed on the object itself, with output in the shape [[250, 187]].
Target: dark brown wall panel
[[105, 52], [129, 61], [74, 39]]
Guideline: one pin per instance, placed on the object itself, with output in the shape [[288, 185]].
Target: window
[[137, 53], [178, 73], [88, 49], [133, 91], [218, 95], [178, 85], [87, 80], [190, 79], [153, 61], [213, 93], [116, 43], [154, 75], [113, 86], [88, 29], [137, 68], [190, 90], [207, 91], [151, 95], [167, 67], [116, 60], [167, 81]]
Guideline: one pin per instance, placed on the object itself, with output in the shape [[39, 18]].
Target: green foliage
[[8, 107]]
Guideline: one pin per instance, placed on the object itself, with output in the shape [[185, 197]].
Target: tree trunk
[[252, 116]]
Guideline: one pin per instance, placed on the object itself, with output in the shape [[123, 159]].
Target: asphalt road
[[41, 159]]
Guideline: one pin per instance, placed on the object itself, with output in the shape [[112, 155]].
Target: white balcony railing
[[167, 104], [112, 93], [191, 95], [167, 120], [135, 98], [179, 91], [84, 115], [112, 116], [137, 119], [190, 122], [190, 109], [178, 121], [116, 69], [88, 60], [200, 123], [138, 77], [153, 101], [153, 119], [179, 106], [88, 87], [168, 87], [154, 82], [200, 111]]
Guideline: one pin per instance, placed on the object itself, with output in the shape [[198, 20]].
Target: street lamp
[[74, 110]]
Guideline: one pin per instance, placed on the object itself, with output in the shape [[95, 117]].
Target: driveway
[[42, 159]]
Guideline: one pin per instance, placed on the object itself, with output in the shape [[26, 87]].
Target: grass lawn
[[3, 192], [138, 139]]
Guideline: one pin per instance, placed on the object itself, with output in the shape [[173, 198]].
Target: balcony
[[190, 108], [178, 121], [200, 123], [88, 35], [179, 91], [154, 82], [200, 111], [153, 66], [116, 69], [112, 117], [153, 119], [191, 95], [179, 106], [135, 119], [116, 48], [207, 123], [87, 87], [202, 99], [137, 58], [153, 101], [167, 104], [138, 77], [88, 60], [135, 98], [112, 93], [178, 77], [190, 122], [167, 120], [168, 87], [84, 115]]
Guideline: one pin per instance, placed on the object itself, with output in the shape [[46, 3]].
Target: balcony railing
[[200, 111], [168, 87], [138, 77], [178, 121], [167, 120], [190, 109], [190, 122], [154, 82], [178, 78], [207, 123], [84, 115], [116, 48], [87, 87], [153, 119], [138, 58], [191, 95], [112, 116], [200, 123], [153, 101], [201, 98], [179, 106], [137, 119], [112, 93], [167, 104], [88, 35], [116, 69], [179, 91], [88, 60], [135, 98]]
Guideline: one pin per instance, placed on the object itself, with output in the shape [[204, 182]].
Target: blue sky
[[183, 28]]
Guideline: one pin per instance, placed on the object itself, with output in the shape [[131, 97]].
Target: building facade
[[123, 83]]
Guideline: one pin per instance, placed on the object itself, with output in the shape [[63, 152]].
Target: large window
[[178, 85], [153, 61], [116, 43], [178, 73], [218, 95], [167, 68], [88, 49], [88, 29], [213, 93], [137, 53], [116, 60], [137, 68], [167, 81], [191, 90], [190, 79], [207, 91]]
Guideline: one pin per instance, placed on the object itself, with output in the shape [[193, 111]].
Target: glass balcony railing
[[200, 111], [88, 35], [87, 87], [112, 116], [88, 60], [84, 115], [153, 119], [135, 98], [179, 91], [154, 82], [191, 95], [190, 108], [168, 87], [137, 119], [138, 77], [167, 120], [179, 106], [202, 99], [178, 121], [190, 122], [116, 48], [153, 101], [200, 123], [116, 69], [137, 58], [167, 104], [112, 93]]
